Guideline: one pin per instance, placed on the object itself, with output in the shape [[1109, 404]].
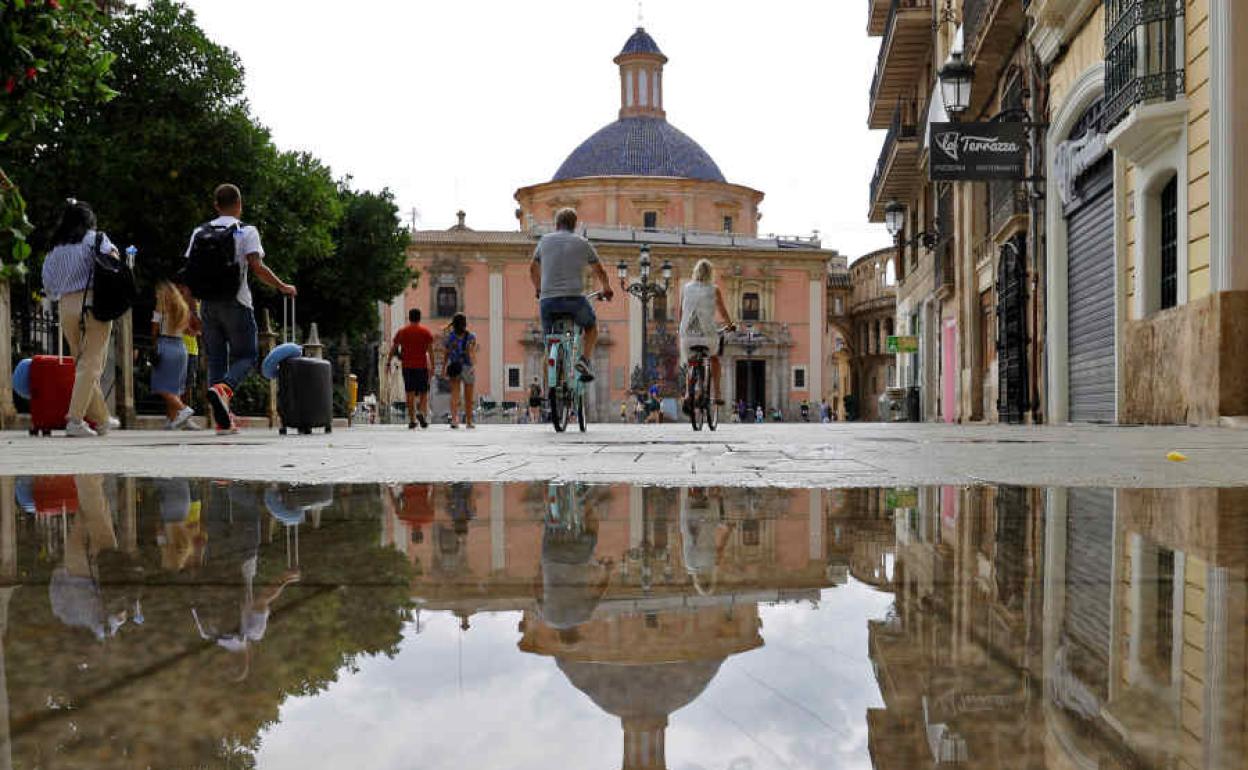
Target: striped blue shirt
[[67, 268]]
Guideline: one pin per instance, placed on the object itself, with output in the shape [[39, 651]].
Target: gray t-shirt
[[563, 257]]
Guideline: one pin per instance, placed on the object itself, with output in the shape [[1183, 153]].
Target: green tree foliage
[[50, 59], [149, 160]]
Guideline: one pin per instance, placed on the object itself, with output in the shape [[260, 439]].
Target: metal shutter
[[1089, 561], [1090, 287]]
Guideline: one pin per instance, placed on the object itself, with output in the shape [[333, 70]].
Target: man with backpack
[[220, 255]]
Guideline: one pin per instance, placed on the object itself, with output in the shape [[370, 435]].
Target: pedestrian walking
[[624, 410], [170, 321], [461, 351], [190, 339], [758, 414], [412, 345], [535, 401], [66, 275], [221, 255]]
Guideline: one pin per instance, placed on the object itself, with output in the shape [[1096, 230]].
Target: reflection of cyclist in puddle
[[233, 519], [704, 536], [571, 581], [92, 561]]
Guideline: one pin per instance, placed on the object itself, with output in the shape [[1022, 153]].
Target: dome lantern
[[641, 77]]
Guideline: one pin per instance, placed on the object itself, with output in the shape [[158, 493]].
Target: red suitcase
[[51, 385], [55, 495]]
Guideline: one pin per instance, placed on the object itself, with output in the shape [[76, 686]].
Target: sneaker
[[185, 414], [219, 396], [454, 426], [583, 369], [192, 424], [411, 426], [420, 418], [79, 429], [471, 426], [167, 425]]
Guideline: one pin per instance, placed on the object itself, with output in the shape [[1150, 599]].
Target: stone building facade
[[1108, 286], [872, 313], [639, 180]]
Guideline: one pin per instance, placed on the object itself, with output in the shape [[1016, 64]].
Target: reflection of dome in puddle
[[642, 696]]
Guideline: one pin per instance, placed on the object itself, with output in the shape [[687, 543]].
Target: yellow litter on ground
[[1177, 457]]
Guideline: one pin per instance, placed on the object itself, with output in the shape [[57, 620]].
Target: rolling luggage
[[51, 386], [305, 390]]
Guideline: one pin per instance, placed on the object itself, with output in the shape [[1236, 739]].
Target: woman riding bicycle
[[700, 299]]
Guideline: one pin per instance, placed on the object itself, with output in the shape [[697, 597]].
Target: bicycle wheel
[[580, 408], [694, 396], [557, 418]]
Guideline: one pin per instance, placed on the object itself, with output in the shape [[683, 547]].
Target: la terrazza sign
[[963, 152]]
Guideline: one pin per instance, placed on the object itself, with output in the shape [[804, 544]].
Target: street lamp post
[[645, 290]]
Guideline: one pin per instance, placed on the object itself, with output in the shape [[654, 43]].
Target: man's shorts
[[578, 307], [416, 381]]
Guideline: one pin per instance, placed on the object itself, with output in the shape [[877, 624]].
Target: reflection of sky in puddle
[[174, 623]]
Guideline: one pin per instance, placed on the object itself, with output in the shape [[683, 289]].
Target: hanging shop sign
[[902, 344], [962, 152]]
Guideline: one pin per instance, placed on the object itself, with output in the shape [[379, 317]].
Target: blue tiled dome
[[640, 147], [641, 42]]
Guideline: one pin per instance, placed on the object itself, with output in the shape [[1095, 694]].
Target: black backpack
[[212, 271], [111, 284]]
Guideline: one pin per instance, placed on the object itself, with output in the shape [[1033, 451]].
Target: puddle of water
[[175, 623]]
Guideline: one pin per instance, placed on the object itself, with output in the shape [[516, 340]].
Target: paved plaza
[[793, 455]]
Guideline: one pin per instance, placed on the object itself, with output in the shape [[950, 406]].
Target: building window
[[448, 301], [659, 308], [838, 305], [799, 378], [1170, 244], [728, 224], [514, 378], [1163, 640], [650, 220], [834, 371], [751, 307], [750, 532]]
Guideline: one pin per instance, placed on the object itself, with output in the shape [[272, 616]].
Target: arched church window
[[448, 301], [642, 91], [751, 307]]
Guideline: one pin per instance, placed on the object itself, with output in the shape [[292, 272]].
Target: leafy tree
[[50, 58]]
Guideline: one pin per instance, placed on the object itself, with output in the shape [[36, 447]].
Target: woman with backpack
[[461, 351], [67, 273], [169, 322]]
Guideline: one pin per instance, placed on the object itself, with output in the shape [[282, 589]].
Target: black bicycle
[[699, 400]]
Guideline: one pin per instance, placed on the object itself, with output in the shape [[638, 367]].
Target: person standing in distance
[[228, 320], [411, 345], [557, 272]]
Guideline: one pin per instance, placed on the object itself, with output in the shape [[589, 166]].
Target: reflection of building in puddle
[[953, 657], [1146, 646]]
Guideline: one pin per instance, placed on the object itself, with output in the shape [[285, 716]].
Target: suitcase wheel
[[282, 430], [329, 429], [34, 431], [305, 431], [47, 433]]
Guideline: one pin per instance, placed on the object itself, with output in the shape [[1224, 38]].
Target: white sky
[[456, 104]]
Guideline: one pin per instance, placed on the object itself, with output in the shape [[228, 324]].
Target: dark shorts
[[578, 307], [416, 380]]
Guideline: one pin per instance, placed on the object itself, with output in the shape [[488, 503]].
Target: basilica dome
[[640, 147]]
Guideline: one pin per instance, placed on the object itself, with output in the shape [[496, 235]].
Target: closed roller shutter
[[1090, 286], [1089, 564]]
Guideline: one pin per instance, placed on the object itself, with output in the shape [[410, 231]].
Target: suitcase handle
[[287, 334]]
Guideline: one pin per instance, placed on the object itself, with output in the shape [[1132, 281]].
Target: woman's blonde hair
[[704, 271], [172, 307]]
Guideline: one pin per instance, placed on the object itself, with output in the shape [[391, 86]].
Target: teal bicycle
[[564, 385]]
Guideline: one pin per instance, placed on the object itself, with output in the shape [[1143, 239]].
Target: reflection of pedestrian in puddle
[[91, 560], [181, 539], [233, 521], [451, 543], [704, 536], [571, 581]]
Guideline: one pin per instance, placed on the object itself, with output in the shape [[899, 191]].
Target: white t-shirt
[[246, 242]]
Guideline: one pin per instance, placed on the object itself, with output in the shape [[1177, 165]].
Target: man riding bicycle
[[557, 272]]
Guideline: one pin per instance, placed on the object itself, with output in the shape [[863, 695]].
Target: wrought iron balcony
[[896, 170], [905, 48], [1006, 200], [877, 17], [1143, 54], [992, 30]]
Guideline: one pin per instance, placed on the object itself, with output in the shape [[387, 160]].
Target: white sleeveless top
[[697, 314]]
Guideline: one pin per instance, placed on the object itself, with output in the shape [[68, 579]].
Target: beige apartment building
[[1108, 285]]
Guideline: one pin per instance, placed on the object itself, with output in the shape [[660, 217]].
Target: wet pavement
[[175, 623]]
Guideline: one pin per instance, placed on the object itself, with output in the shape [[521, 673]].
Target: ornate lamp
[[955, 83]]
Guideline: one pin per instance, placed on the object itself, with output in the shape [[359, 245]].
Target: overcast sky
[[456, 104]]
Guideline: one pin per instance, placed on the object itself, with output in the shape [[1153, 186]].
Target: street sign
[[963, 152], [901, 497], [902, 344]]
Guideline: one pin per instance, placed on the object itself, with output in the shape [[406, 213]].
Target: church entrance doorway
[[752, 382]]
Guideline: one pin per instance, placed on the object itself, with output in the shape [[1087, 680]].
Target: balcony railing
[[898, 128], [1006, 199], [895, 7], [1143, 54], [974, 13]]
